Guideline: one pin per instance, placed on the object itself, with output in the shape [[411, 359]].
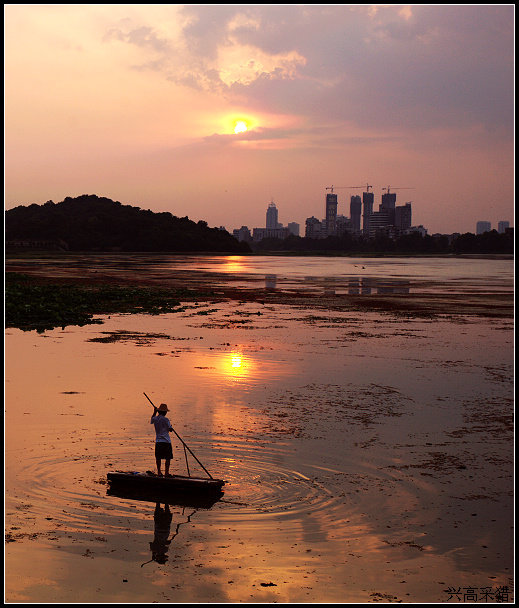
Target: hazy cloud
[[425, 66], [388, 66], [143, 36]]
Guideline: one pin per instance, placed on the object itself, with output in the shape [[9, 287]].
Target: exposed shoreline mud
[[422, 299]]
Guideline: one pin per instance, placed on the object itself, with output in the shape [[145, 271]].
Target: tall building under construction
[[390, 220], [355, 213], [331, 213], [368, 199]]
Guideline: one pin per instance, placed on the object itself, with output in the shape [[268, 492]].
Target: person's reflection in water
[[160, 544]]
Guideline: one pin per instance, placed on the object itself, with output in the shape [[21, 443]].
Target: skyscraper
[[403, 216], [331, 213], [313, 228], [389, 200], [293, 228], [355, 212], [482, 227], [388, 204], [272, 216], [367, 203]]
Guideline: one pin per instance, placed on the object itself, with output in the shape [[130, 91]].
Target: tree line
[[414, 243], [93, 223]]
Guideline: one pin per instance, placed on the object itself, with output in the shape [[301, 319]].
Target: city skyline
[[361, 208], [212, 111]]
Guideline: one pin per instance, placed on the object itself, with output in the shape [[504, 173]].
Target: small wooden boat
[[173, 483], [177, 497]]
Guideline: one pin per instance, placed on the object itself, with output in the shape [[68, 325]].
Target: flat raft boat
[[174, 483]]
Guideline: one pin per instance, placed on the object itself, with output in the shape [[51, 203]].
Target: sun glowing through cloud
[[240, 126], [238, 122]]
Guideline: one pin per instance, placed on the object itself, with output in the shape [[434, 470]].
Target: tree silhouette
[[93, 223]]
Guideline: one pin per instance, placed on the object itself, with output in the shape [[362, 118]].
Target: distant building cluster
[[482, 227], [391, 220], [273, 228]]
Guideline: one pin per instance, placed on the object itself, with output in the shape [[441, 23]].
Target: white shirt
[[162, 426]]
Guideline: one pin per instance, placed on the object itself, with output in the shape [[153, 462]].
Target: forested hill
[[93, 223]]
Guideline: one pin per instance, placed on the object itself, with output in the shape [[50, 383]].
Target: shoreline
[[45, 253], [425, 299]]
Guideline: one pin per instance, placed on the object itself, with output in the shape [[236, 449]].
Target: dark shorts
[[163, 450]]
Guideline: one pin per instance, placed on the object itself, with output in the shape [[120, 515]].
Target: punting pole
[[184, 444]]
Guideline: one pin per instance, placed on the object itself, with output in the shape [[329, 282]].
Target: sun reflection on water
[[234, 264], [236, 365]]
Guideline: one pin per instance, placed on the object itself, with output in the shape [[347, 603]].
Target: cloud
[[392, 67], [425, 66], [143, 36], [265, 136]]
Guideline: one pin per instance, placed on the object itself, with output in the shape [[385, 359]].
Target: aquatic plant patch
[[34, 306]]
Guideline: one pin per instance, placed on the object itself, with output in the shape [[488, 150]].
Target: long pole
[[183, 443]]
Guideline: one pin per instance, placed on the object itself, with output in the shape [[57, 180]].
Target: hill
[[93, 223]]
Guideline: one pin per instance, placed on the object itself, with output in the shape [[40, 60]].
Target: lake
[[368, 455]]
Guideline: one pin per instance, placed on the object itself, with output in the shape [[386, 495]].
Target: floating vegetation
[[138, 337], [41, 306]]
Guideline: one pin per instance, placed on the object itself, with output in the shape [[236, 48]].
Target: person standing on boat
[[163, 449]]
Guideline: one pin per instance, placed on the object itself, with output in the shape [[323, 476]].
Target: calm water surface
[[342, 275], [368, 458]]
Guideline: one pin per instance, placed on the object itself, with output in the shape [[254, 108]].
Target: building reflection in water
[[368, 285], [365, 286], [271, 281], [354, 285], [394, 287]]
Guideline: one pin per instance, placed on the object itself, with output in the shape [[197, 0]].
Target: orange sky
[[138, 103]]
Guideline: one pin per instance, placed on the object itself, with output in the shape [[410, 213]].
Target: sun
[[240, 126]]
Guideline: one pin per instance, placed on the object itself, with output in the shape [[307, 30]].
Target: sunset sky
[[139, 103]]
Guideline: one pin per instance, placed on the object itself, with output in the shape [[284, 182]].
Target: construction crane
[[344, 187], [412, 188]]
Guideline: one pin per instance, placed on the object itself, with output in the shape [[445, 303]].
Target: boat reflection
[[179, 498], [163, 516]]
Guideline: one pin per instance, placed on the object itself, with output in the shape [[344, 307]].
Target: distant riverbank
[[58, 290], [11, 254]]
